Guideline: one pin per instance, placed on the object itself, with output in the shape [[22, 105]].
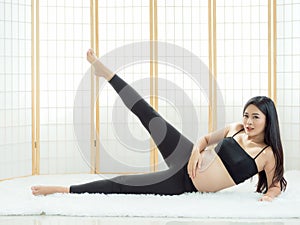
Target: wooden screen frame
[[95, 152]]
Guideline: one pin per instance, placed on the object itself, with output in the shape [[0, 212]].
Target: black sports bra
[[239, 164]]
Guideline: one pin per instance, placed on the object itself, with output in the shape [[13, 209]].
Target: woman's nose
[[249, 121]]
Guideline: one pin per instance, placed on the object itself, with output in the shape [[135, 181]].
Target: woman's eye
[[245, 116]]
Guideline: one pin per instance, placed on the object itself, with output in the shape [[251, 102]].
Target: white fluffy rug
[[237, 202]]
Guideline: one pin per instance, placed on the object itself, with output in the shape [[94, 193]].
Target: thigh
[[168, 182]]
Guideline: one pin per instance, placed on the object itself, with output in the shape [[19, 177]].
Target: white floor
[[64, 220], [239, 202]]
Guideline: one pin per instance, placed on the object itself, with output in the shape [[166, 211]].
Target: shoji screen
[[15, 88], [242, 53], [288, 78], [124, 142], [64, 40], [185, 25]]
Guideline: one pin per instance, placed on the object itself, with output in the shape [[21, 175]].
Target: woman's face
[[254, 121]]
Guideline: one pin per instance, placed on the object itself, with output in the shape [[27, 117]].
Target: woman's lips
[[249, 129]]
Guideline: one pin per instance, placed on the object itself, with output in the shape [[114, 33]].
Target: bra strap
[[261, 151], [238, 132]]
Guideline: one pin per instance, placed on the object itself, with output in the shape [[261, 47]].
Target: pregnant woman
[[241, 151]]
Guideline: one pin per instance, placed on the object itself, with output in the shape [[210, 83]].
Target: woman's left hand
[[266, 198], [194, 162]]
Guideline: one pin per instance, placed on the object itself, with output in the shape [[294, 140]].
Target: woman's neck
[[258, 139]]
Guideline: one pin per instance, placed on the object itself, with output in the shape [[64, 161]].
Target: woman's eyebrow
[[255, 113]]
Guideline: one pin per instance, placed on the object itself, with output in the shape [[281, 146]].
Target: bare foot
[[47, 190], [98, 67]]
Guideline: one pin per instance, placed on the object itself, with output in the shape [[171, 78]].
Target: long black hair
[[272, 138]]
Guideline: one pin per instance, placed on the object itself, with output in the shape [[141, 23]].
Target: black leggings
[[174, 147]]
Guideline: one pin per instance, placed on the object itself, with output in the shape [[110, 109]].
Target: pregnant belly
[[214, 178]]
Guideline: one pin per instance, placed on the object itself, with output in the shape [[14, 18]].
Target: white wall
[[242, 53], [15, 89], [64, 39], [288, 79]]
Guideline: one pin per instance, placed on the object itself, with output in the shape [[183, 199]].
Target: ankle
[[67, 190], [62, 190], [101, 70], [109, 76]]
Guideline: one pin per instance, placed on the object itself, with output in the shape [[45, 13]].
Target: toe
[[91, 51], [91, 57]]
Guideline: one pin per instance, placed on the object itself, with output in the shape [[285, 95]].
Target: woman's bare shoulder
[[233, 128], [268, 152]]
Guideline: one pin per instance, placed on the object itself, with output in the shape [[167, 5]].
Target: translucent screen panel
[[64, 40], [15, 89], [125, 143], [123, 23], [185, 93], [288, 79], [242, 53]]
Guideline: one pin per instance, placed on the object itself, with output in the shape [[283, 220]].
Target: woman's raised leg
[[171, 143]]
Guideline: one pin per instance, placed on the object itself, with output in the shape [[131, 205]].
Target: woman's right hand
[[194, 162]]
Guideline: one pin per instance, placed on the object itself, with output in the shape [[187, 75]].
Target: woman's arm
[[272, 193], [273, 190], [205, 141]]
